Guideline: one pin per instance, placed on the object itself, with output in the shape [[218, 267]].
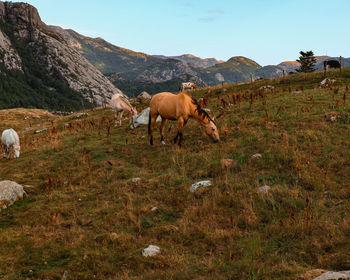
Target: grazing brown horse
[[179, 107]]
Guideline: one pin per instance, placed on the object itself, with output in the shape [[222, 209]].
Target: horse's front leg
[[162, 126], [120, 118], [180, 127], [6, 151]]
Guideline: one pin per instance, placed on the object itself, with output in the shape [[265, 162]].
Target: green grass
[[226, 231]]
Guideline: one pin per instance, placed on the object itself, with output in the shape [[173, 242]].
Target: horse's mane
[[126, 100], [201, 111]]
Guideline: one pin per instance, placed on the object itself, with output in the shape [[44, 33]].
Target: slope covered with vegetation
[[87, 217]]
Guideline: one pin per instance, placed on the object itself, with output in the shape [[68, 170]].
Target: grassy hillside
[[85, 215]]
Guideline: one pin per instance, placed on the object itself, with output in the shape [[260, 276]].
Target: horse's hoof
[[163, 142]]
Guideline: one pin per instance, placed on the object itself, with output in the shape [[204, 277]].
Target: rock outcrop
[[52, 52], [10, 192]]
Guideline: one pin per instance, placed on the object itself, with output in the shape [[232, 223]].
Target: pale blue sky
[[267, 31]]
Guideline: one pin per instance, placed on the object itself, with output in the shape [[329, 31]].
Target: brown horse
[[179, 107]]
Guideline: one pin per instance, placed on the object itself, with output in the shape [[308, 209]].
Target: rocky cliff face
[[51, 51]]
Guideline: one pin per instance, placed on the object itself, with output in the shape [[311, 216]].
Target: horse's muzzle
[[216, 140]]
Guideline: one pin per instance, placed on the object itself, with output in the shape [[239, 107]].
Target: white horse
[[121, 104], [188, 85], [10, 139]]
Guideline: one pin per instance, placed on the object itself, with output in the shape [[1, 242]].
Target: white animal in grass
[[9, 138], [121, 104], [188, 85]]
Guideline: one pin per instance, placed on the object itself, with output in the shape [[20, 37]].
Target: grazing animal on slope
[[9, 138], [189, 85], [121, 104], [179, 107], [331, 64]]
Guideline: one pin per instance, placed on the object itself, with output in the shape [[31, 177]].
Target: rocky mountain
[[236, 69], [29, 47], [105, 56], [195, 60], [289, 66]]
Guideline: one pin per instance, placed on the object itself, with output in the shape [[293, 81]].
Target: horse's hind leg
[[162, 126]]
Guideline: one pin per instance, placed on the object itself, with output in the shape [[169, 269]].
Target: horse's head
[[212, 131], [16, 151]]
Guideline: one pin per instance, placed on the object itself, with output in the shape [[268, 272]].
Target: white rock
[[154, 209], [40, 130], [264, 189], [150, 251], [197, 185], [10, 192], [142, 118], [134, 180], [257, 156], [144, 96], [80, 115], [330, 275]]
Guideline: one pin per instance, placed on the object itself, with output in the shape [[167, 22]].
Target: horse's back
[[164, 104], [9, 137]]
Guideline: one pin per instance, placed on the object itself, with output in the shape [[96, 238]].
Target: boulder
[[136, 179], [10, 192], [143, 97], [326, 83], [142, 118], [151, 251], [40, 130], [257, 156], [264, 189], [200, 184], [330, 275]]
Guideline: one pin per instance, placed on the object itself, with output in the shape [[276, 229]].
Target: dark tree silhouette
[[307, 62]]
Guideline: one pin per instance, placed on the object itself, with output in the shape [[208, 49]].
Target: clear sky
[[267, 31]]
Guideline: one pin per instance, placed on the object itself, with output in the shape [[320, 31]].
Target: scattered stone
[[150, 251], [200, 184], [65, 274], [264, 189], [257, 156], [154, 209], [80, 115], [326, 83], [113, 236], [332, 116], [266, 88], [40, 130], [134, 180], [10, 192], [330, 275]]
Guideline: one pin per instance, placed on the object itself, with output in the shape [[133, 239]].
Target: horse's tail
[[149, 123]]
